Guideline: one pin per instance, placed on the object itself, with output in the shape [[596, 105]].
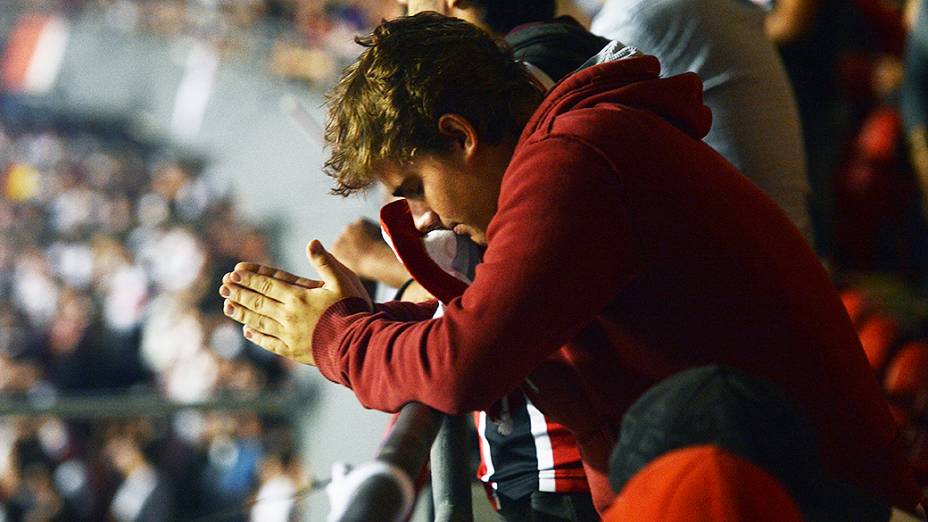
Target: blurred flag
[[34, 54]]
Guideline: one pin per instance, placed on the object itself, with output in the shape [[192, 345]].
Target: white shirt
[[755, 122]]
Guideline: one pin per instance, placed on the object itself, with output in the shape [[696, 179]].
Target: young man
[[620, 249], [528, 462]]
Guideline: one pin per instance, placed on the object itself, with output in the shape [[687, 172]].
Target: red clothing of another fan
[[625, 250], [703, 484]]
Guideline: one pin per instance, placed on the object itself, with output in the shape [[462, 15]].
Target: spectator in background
[[811, 35], [32, 453], [143, 495], [755, 122], [319, 48], [712, 443], [878, 222], [36, 497], [362, 247], [235, 453], [70, 351], [554, 46], [279, 479], [915, 92]]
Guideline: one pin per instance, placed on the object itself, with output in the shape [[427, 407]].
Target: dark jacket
[[558, 47]]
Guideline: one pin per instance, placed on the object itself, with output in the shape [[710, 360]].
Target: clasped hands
[[278, 310]]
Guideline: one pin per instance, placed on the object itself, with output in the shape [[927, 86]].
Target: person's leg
[[514, 510], [561, 507]]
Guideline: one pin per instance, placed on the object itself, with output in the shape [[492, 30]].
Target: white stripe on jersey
[[543, 451], [485, 446]]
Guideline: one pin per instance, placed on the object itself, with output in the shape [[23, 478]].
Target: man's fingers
[[260, 323], [278, 274], [338, 278], [330, 269], [254, 301], [269, 343], [276, 289]]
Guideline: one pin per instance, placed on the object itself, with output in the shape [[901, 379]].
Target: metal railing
[[450, 464], [385, 486], [151, 404]]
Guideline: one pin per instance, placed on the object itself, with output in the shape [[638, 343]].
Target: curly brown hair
[[415, 69]]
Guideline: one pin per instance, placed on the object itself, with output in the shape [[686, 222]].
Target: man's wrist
[[330, 326]]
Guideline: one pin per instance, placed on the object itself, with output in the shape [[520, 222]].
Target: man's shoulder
[[599, 126], [583, 141]]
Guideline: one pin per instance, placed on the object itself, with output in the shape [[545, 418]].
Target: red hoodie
[[624, 250]]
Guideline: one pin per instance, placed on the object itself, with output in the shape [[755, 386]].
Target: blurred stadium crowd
[[111, 250], [305, 40]]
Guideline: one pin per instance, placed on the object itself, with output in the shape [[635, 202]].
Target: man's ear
[[460, 132]]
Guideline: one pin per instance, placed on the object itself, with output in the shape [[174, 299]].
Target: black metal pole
[[450, 462], [382, 495]]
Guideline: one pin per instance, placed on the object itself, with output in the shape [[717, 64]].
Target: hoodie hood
[[440, 261], [633, 82]]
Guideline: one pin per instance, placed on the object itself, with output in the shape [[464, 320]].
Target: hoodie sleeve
[[560, 248]]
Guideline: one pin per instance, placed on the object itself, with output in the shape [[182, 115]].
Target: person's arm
[[413, 292], [362, 249], [571, 9], [910, 14], [917, 139], [790, 19], [560, 249]]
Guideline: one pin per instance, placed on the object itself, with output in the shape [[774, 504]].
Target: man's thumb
[[324, 263]]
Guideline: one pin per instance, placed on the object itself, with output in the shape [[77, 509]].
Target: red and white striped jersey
[[524, 451]]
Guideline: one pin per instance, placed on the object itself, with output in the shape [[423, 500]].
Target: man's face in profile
[[444, 193]]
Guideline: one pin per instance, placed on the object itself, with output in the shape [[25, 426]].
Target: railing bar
[[380, 497], [130, 404], [450, 462]]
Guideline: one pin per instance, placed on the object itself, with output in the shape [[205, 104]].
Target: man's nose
[[424, 217]]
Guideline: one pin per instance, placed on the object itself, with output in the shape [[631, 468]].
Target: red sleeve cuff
[[332, 323]]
